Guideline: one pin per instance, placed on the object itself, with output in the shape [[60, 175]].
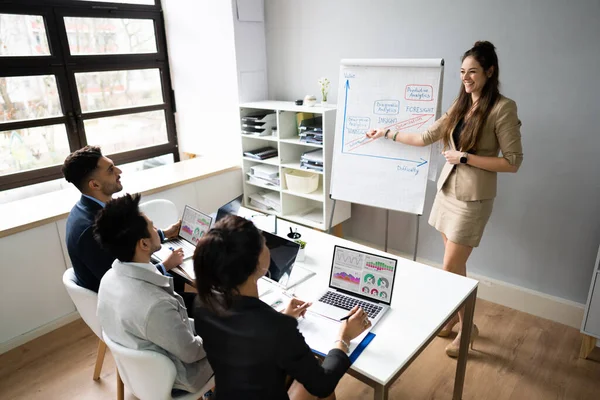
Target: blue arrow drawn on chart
[[420, 163], [345, 108]]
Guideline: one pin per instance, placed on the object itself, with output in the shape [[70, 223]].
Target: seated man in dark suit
[[97, 178]]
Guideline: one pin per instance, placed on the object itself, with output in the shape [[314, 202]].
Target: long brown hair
[[485, 54]]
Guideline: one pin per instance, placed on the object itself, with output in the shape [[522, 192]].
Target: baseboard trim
[[523, 299], [36, 333], [542, 305]]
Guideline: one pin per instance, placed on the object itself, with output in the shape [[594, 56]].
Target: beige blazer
[[501, 132]]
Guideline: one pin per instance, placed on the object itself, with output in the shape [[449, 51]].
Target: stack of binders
[[311, 130], [312, 160], [258, 125], [266, 201], [313, 137], [263, 174]]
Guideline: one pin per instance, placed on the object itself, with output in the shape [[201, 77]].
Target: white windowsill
[[35, 211]]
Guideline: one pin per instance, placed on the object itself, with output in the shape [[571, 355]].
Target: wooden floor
[[518, 357]]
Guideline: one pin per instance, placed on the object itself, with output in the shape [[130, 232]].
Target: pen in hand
[[173, 250], [346, 317]]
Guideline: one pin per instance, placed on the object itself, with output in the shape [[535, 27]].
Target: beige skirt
[[462, 222]]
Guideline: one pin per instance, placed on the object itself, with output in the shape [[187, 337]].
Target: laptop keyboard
[[178, 242], [188, 248], [347, 303]]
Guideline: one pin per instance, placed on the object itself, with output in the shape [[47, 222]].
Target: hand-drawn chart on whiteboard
[[399, 95]]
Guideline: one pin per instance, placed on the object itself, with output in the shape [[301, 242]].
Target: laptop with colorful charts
[[357, 278], [194, 224]]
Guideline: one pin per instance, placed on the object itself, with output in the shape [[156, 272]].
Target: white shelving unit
[[310, 209]]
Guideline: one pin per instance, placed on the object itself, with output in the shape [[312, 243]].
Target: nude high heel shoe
[[453, 348], [448, 328]]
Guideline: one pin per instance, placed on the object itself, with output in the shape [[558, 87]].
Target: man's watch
[[463, 158]]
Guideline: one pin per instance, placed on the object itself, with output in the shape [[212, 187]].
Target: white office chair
[[162, 212], [86, 303], [149, 375]]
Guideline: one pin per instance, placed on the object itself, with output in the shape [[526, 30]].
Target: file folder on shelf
[[256, 180], [259, 120], [264, 174], [261, 154], [258, 125], [265, 200], [312, 160], [253, 131], [313, 156], [265, 171]]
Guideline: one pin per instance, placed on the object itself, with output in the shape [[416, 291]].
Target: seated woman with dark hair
[[251, 347]]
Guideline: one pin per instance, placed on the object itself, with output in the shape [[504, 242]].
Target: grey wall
[[545, 228]]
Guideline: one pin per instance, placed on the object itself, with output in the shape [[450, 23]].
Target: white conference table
[[423, 301]]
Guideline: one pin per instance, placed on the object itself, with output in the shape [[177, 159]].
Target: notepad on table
[[320, 334]]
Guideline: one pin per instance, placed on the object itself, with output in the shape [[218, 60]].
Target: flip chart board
[[400, 94]]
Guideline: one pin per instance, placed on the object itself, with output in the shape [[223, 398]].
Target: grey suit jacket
[[138, 309]]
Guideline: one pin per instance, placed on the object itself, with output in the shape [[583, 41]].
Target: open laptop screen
[[230, 208], [264, 222], [366, 275], [194, 225], [283, 257]]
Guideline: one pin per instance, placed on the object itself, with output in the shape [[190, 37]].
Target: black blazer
[[90, 261], [253, 348]]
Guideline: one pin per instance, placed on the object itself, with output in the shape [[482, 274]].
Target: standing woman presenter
[[479, 124]]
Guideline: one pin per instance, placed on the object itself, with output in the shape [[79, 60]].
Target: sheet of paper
[[275, 299], [320, 333], [188, 268], [264, 287]]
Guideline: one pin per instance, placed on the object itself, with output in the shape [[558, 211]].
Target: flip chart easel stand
[[387, 225]]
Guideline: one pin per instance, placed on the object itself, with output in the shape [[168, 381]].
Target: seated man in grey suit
[[137, 305]]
